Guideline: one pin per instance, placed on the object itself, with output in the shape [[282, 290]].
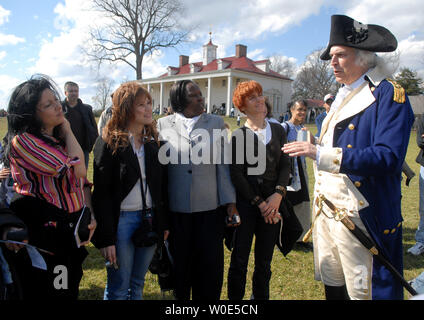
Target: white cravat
[[344, 92], [341, 94]]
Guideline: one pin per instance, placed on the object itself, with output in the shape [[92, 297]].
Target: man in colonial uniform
[[358, 162]]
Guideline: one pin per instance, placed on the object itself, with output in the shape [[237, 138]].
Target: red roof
[[261, 61], [242, 64]]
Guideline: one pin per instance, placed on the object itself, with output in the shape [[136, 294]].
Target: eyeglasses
[[256, 98]]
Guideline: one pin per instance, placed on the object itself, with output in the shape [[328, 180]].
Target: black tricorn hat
[[346, 31]]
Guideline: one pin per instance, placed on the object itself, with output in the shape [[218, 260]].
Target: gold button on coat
[[393, 230], [351, 127], [357, 184], [361, 203], [349, 146], [399, 224], [336, 161], [386, 231]]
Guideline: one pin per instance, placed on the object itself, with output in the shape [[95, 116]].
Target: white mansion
[[217, 78]]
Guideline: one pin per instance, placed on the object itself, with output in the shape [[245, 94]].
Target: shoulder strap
[[398, 92]]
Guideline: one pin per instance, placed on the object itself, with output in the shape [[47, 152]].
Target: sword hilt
[[345, 219]]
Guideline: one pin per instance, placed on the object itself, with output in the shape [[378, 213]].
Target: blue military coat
[[374, 140]]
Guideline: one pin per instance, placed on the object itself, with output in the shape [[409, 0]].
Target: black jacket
[[277, 172], [114, 177], [420, 140], [277, 165], [90, 125]]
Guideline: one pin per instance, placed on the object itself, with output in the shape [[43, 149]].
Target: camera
[[145, 236], [235, 220]]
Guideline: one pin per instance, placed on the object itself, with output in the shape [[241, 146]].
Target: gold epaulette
[[399, 92]]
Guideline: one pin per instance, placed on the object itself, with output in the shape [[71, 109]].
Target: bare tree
[[102, 98], [283, 65], [136, 28], [315, 78]]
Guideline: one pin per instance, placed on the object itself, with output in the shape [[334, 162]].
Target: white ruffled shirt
[[342, 93]]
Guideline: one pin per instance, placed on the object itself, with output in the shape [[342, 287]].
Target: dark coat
[[90, 125], [114, 177]]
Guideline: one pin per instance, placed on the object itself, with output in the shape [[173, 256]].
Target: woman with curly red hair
[[258, 196], [129, 192]]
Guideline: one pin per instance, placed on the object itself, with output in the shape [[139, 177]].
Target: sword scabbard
[[367, 242], [348, 223]]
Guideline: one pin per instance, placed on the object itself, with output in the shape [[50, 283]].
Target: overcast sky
[[45, 36]]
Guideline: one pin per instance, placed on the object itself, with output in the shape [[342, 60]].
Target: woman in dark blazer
[[129, 193], [260, 188]]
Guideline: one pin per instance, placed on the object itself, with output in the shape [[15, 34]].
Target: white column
[[209, 95], [161, 98], [229, 95]]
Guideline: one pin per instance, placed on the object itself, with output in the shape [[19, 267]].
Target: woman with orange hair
[[129, 193], [259, 196]]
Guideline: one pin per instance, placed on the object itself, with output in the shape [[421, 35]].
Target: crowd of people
[[183, 182]]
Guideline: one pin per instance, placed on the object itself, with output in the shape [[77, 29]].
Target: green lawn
[[292, 277]]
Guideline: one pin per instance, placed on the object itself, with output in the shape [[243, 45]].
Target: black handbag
[[145, 235], [162, 260], [291, 228], [162, 265]]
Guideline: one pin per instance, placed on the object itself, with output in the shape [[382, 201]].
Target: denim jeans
[[127, 282], [419, 235]]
